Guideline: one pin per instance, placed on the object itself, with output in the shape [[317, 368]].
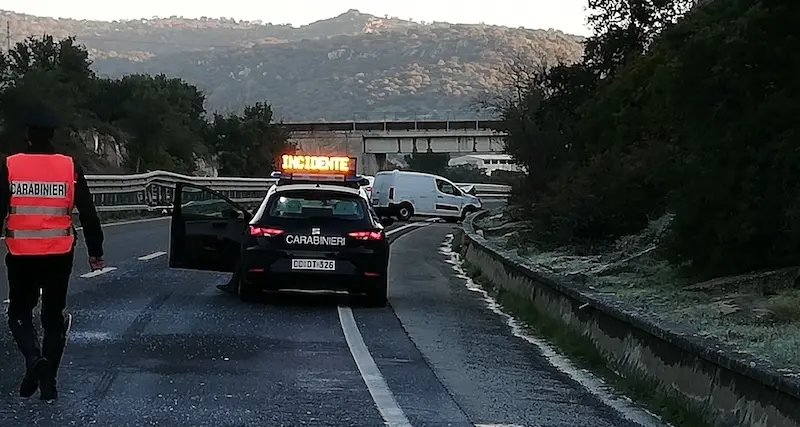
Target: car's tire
[[247, 292], [378, 296], [405, 211]]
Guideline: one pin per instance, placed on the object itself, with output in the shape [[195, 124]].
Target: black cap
[[41, 116]]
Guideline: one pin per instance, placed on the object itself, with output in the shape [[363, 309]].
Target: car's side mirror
[[364, 182], [387, 221]]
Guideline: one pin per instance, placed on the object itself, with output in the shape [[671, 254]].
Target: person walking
[[38, 191]]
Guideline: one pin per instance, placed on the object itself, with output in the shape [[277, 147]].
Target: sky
[[565, 15]]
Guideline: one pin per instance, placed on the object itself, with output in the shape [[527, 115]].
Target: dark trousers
[[26, 276]]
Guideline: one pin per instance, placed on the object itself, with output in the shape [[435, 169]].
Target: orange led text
[[316, 163]]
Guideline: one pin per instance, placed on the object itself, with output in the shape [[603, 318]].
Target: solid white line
[[133, 221], [112, 224], [391, 412], [376, 384], [98, 272], [151, 256]]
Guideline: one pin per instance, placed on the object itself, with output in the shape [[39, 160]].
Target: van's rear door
[[380, 189]]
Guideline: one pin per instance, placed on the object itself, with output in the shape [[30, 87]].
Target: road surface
[[151, 346]]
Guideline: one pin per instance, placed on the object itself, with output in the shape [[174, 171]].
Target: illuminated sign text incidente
[[316, 163]]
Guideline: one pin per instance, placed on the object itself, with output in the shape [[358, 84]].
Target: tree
[[690, 116], [159, 120], [247, 145], [42, 70], [434, 163]]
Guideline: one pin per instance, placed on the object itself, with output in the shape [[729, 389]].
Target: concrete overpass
[[372, 141]]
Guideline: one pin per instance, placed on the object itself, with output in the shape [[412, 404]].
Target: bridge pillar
[[370, 163]]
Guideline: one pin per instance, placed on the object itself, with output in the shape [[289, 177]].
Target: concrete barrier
[[727, 387]]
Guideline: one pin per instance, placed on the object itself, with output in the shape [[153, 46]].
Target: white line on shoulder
[[376, 384], [387, 405]]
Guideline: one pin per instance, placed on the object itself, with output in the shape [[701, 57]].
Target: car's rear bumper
[[267, 281], [266, 272]]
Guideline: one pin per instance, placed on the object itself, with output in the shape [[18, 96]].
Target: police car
[[314, 230]]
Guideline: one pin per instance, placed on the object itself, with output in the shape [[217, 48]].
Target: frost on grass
[[758, 313]]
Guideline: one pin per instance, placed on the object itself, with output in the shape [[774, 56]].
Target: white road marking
[[151, 256], [133, 221], [376, 384], [387, 405], [622, 404], [98, 272]]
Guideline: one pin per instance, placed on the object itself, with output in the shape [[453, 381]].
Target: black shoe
[[48, 389], [30, 383], [226, 287]]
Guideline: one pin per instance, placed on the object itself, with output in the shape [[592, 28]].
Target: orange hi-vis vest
[[42, 199]]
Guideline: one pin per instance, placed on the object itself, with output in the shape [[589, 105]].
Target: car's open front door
[[206, 231]]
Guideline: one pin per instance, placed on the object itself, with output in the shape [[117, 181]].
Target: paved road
[[151, 346]]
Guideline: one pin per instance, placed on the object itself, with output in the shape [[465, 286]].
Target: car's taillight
[[265, 232], [366, 235]]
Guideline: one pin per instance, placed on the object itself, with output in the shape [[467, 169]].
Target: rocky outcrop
[[105, 146]]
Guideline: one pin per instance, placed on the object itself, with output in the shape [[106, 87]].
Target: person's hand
[[96, 263]]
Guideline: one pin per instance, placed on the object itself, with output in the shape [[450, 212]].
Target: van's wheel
[[405, 211], [468, 210]]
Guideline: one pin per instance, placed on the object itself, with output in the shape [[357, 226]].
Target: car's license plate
[[314, 264]]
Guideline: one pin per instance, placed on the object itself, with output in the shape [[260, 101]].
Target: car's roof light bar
[[317, 169]]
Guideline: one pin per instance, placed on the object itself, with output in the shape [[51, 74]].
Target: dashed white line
[[151, 256], [376, 384], [98, 272]]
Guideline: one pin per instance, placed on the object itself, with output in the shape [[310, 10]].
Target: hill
[[354, 64]]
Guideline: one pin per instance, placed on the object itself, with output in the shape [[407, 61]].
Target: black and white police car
[[314, 230]]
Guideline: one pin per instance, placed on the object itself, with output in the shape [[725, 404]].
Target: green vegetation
[[351, 66], [695, 116], [133, 124], [666, 157]]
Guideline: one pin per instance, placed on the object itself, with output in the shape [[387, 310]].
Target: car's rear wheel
[[378, 296], [247, 292]]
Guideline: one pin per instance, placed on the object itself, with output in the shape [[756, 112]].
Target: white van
[[402, 194]]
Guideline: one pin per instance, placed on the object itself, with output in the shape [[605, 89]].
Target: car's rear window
[[317, 205]]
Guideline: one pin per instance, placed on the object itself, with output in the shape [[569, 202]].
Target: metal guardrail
[[400, 116], [154, 191], [394, 125]]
